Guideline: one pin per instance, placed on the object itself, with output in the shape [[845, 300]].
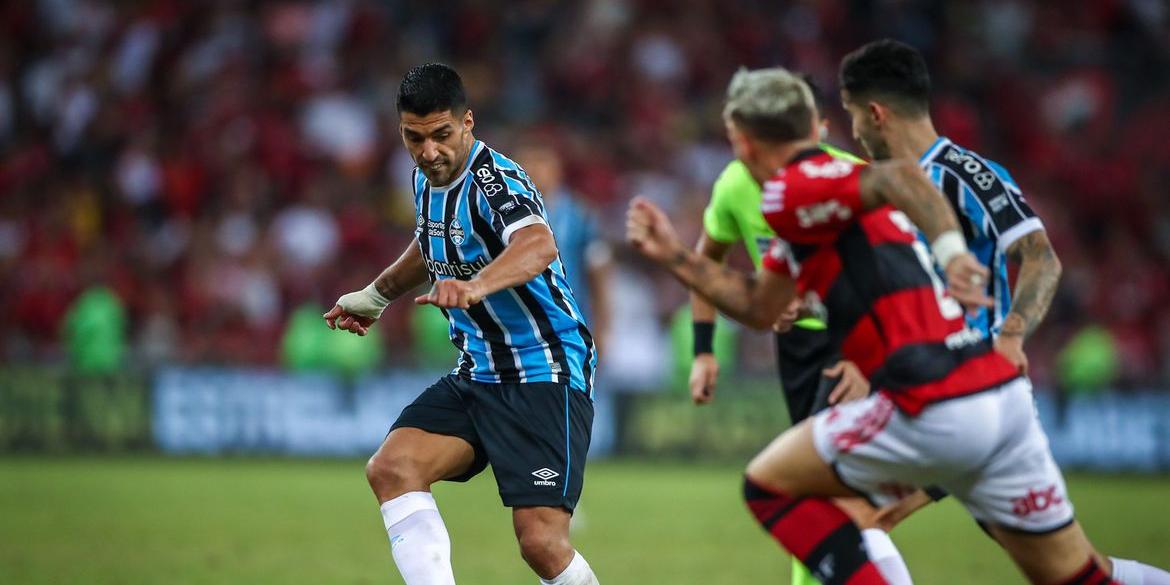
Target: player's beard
[[450, 167], [875, 145], [440, 175]]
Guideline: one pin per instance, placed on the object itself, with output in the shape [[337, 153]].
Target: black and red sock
[[816, 532], [1090, 574]]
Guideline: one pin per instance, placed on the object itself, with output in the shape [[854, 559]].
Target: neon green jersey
[[734, 215]]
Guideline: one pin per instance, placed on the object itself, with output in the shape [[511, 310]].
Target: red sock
[[1090, 574], [816, 532]]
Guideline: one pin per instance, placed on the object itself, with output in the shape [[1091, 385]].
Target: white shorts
[[988, 450]]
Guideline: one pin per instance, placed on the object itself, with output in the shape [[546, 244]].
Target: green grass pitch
[[130, 521]]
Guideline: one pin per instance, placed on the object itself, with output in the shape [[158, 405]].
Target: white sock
[[418, 539], [1129, 572], [885, 555], [577, 573]]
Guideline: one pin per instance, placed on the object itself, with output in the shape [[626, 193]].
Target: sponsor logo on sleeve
[[490, 182]]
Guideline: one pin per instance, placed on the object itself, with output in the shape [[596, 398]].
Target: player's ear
[[877, 113], [468, 121], [820, 128], [745, 145]]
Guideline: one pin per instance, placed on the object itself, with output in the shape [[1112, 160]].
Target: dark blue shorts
[[534, 435]]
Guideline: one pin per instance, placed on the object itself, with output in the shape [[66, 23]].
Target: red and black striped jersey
[[873, 281]]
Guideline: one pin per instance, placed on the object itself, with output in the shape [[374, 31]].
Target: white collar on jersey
[[475, 150], [933, 151]]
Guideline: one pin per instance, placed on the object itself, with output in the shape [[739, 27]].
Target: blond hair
[[771, 104]]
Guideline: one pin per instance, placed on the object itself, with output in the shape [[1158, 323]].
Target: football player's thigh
[[433, 439], [1020, 495], [790, 463], [432, 456], [1053, 557]]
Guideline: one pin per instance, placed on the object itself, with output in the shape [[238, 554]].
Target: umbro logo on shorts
[[544, 476]]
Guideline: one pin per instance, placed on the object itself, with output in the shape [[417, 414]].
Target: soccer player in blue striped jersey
[[885, 87], [520, 397]]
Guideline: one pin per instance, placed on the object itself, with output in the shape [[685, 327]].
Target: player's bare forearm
[[599, 279], [903, 185], [1035, 284], [755, 302], [407, 273], [527, 254], [701, 310]]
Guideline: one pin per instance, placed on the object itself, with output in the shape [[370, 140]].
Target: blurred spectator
[[234, 160], [309, 347], [585, 254], [1089, 364], [95, 332]]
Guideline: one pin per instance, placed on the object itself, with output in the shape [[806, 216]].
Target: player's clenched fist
[[649, 230], [356, 311], [704, 374], [452, 294]]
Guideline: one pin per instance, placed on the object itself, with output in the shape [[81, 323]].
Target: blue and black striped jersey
[[992, 213], [531, 333]]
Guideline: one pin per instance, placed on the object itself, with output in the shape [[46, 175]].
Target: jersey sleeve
[[812, 201], [1011, 215], [718, 219], [986, 195], [780, 260], [512, 199]]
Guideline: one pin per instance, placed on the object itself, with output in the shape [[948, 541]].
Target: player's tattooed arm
[[701, 310], [755, 302], [902, 184], [356, 312], [1035, 285], [407, 273]]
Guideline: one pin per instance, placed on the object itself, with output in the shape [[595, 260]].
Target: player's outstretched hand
[[967, 281], [852, 385], [338, 318], [704, 373], [650, 231], [452, 294]]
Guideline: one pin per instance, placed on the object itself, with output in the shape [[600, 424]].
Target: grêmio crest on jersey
[[455, 232]]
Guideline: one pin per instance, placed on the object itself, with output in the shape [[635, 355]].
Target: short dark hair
[[433, 87], [891, 71], [815, 90]]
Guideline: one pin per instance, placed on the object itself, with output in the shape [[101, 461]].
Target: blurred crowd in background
[[183, 182]]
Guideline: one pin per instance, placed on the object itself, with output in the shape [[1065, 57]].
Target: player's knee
[[394, 473], [544, 549]]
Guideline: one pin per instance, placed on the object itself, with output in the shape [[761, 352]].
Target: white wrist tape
[[367, 302], [948, 245]]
